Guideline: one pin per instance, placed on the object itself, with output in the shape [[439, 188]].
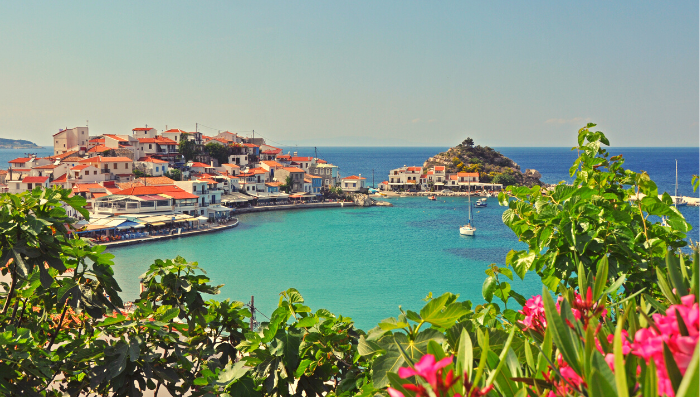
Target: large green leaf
[[231, 373], [560, 332], [488, 288], [465, 354], [367, 347]]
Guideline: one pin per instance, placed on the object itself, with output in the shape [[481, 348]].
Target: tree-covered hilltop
[[491, 165], [17, 144]]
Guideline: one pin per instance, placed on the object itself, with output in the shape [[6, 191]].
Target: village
[[139, 185]]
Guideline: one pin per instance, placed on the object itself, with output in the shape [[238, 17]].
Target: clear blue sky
[[382, 73]]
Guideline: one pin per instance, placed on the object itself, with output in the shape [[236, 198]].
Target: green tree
[[217, 151], [174, 174], [504, 179], [608, 212], [287, 185], [187, 147], [469, 143]]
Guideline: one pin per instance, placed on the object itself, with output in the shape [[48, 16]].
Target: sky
[[375, 73]]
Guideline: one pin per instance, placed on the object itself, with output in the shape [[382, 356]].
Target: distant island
[[492, 166], [17, 144]]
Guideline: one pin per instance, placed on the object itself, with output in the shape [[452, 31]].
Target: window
[[354, 185], [115, 166], [127, 166], [94, 172], [150, 146], [157, 169], [87, 172]]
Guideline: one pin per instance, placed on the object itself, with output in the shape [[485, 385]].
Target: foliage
[[287, 185], [624, 322], [218, 151], [504, 179], [138, 173], [576, 226], [187, 147], [174, 174]]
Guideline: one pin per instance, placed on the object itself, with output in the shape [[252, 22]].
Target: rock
[[532, 174], [363, 200]]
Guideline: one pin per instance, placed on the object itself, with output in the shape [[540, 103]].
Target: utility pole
[[315, 153]]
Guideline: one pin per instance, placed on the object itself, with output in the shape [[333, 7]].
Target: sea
[[365, 263]]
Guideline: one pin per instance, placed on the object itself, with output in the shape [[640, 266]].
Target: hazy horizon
[[511, 74]]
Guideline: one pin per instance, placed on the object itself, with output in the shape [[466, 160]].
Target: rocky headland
[[363, 200], [492, 166]]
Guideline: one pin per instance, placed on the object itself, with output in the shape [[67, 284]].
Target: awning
[[129, 225], [202, 218], [158, 224]]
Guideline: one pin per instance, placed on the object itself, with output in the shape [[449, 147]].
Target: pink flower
[[649, 342], [427, 369], [535, 318]]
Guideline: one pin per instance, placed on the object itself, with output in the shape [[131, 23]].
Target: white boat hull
[[467, 230]]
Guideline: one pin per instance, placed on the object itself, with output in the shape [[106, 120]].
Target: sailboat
[[468, 229], [678, 201]]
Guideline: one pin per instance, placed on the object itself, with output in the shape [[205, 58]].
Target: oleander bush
[[617, 316]]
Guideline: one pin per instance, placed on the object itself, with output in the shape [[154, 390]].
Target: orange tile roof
[[64, 155], [353, 177], [140, 190], [61, 179], [126, 185], [71, 159], [102, 159], [160, 140], [143, 129], [319, 161], [439, 168], [414, 168], [152, 160], [284, 157], [177, 130], [271, 163], [97, 140], [293, 169], [467, 174], [98, 194], [46, 167], [99, 149], [200, 165], [35, 179], [80, 167], [302, 158], [155, 180], [85, 187], [230, 165], [20, 160], [117, 138], [179, 194]]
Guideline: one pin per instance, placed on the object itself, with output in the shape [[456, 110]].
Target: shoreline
[[211, 229]]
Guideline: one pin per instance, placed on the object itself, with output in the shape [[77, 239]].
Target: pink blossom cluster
[[432, 373], [535, 318], [649, 342]]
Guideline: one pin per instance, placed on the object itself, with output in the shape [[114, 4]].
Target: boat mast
[[675, 197], [470, 200]]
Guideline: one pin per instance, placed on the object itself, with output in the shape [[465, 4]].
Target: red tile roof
[[156, 180], [46, 167], [284, 157], [140, 190], [117, 138], [468, 174], [142, 129], [292, 169], [319, 161], [152, 160], [414, 168], [97, 140], [200, 165], [80, 167], [64, 155], [102, 159], [20, 160], [353, 177], [159, 140], [179, 194], [309, 159], [60, 179], [439, 168], [177, 130], [271, 163], [85, 187], [99, 149], [35, 179]]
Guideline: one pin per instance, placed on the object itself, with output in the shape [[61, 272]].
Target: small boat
[[468, 229], [432, 198], [481, 202]]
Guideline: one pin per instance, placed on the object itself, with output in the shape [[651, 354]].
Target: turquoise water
[[358, 262]]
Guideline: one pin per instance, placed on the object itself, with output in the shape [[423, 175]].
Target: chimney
[[295, 154], [211, 163]]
